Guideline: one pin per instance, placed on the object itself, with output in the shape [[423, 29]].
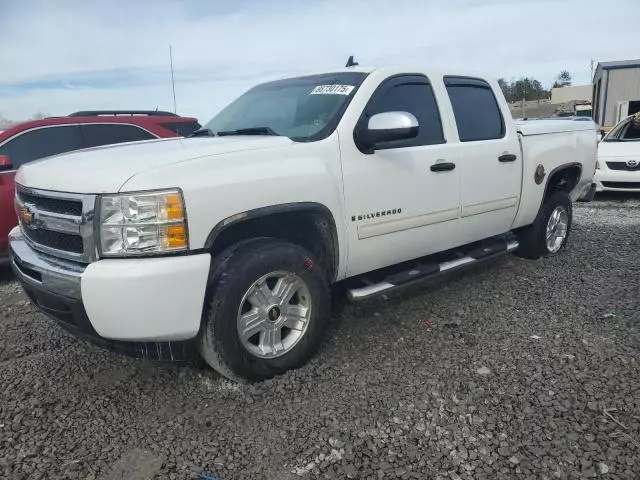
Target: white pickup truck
[[230, 240]]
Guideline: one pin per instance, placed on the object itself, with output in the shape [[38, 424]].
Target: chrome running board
[[424, 271]]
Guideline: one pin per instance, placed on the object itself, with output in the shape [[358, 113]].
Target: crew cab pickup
[[230, 239]]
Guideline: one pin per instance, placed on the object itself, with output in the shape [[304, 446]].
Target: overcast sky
[[58, 56]]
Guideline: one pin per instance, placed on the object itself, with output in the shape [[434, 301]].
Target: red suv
[[50, 136]]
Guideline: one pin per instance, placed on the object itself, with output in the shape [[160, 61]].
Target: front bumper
[[148, 307], [616, 181]]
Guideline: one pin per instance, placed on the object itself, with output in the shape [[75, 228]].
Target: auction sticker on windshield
[[332, 90]]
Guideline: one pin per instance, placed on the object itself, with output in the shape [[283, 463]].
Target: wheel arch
[[564, 177], [309, 224]]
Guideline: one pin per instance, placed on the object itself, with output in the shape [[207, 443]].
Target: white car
[[230, 240], [618, 166]]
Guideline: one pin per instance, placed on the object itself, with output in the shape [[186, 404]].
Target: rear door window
[[475, 109], [181, 129], [95, 135], [42, 142]]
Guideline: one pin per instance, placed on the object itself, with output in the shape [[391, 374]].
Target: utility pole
[[173, 82], [592, 64]]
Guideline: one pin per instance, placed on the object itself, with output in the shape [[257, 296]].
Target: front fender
[[222, 187]]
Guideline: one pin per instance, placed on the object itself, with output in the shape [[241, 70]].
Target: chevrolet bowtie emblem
[[26, 215]]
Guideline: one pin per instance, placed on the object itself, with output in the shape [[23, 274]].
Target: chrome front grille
[[59, 224]]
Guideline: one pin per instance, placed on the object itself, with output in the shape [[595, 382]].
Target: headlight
[[142, 223]]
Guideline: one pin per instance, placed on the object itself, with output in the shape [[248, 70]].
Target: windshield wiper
[[250, 131], [202, 132]]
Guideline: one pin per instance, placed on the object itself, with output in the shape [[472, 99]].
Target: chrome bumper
[[53, 285], [43, 271]]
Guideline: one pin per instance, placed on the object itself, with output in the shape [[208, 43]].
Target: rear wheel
[[267, 309], [550, 231]]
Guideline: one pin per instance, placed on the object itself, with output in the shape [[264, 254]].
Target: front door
[[398, 206]]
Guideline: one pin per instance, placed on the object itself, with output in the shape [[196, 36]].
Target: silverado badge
[[370, 215]]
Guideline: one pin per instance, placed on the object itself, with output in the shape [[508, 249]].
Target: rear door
[[488, 158]]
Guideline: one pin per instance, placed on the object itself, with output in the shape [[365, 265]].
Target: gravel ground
[[518, 369]]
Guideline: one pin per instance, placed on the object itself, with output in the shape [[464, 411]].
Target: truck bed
[[552, 143], [552, 125]]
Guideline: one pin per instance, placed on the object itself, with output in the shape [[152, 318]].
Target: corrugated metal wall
[[624, 85]]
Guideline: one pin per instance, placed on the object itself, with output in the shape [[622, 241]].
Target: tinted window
[[40, 143], [627, 130], [475, 108], [182, 129], [107, 134], [416, 98]]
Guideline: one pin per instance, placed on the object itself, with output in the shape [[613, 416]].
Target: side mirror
[[5, 163], [389, 127]]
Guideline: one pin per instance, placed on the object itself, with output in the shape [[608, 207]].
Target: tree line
[[531, 89]]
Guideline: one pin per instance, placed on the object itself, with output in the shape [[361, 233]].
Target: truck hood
[[106, 169], [619, 149]]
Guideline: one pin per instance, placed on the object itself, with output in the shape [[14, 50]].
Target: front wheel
[[550, 231], [266, 312]]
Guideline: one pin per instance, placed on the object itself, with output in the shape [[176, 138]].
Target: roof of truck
[[408, 68]]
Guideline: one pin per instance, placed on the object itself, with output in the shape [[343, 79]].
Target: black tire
[[532, 238], [233, 273]]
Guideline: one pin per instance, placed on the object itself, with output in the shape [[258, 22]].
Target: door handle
[[443, 166], [507, 157]]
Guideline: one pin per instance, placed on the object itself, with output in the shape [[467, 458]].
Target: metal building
[[574, 93], [616, 91]]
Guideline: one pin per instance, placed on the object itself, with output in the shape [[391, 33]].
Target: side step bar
[[430, 270]]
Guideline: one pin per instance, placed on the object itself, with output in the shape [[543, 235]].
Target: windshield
[[303, 108], [627, 130]]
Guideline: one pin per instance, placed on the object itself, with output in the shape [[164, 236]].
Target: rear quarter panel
[[553, 151]]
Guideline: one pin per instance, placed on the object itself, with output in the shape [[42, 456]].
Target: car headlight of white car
[[134, 224]]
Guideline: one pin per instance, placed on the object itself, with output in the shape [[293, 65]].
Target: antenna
[[351, 62], [173, 82]]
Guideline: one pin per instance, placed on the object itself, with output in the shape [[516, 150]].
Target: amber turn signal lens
[[175, 236], [173, 206]]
